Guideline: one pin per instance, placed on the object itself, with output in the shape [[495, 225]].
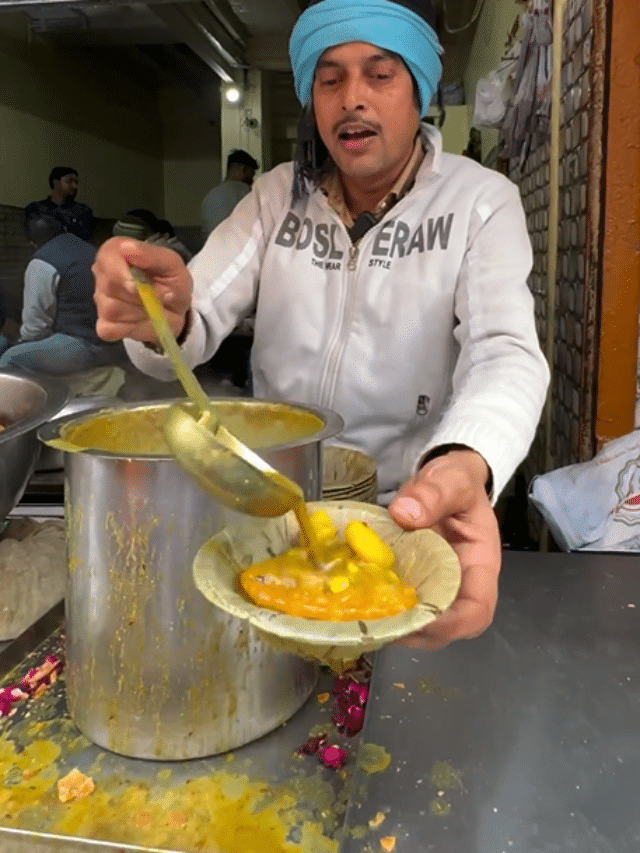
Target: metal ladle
[[221, 464]]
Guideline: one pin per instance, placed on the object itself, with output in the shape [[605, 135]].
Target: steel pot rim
[[333, 423]]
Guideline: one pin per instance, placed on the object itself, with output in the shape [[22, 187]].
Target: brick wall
[[572, 431], [15, 252], [574, 333]]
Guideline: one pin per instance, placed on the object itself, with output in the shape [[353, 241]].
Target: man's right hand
[[120, 311]]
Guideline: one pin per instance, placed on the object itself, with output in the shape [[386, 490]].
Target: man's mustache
[[355, 119]]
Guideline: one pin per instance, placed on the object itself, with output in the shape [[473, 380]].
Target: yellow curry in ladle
[[330, 577]]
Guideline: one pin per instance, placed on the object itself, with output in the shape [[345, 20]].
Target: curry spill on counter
[[223, 811]]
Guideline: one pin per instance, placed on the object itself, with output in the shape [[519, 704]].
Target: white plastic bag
[[595, 505], [492, 97]]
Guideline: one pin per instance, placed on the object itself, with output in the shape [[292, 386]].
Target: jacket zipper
[[335, 354], [353, 256], [327, 382]]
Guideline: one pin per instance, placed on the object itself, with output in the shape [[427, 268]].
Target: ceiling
[[195, 42]]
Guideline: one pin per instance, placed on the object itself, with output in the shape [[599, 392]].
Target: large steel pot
[[153, 669]]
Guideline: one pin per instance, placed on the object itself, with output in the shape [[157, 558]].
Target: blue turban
[[380, 22]]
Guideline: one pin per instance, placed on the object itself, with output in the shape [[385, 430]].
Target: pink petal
[[8, 697], [45, 674], [340, 684], [333, 757], [312, 745], [354, 720], [339, 712], [358, 692]]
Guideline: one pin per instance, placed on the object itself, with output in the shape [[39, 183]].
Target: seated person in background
[[220, 201], [233, 357], [161, 232], [76, 217], [166, 236], [147, 216], [132, 225], [58, 334]]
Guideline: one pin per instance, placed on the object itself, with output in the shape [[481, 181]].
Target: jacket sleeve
[[225, 277], [40, 300], [501, 376]]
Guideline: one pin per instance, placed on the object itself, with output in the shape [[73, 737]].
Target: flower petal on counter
[[311, 746], [8, 697], [38, 679], [354, 720], [333, 757]]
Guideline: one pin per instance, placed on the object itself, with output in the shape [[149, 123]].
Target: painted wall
[[494, 25], [112, 178], [455, 131], [55, 109], [191, 150], [199, 133], [242, 125]]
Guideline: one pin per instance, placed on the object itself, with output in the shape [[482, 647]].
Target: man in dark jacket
[[76, 217], [58, 333]]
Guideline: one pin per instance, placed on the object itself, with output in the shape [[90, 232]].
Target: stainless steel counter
[[527, 739]]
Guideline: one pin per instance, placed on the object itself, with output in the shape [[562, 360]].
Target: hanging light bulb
[[232, 94]]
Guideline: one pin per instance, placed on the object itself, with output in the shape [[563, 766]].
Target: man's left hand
[[448, 494]]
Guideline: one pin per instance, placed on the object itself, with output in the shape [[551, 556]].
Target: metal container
[[51, 458], [154, 671], [26, 402]]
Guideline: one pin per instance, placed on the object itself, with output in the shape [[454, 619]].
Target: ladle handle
[[154, 309]]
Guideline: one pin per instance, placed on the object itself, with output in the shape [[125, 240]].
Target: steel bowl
[[27, 400]]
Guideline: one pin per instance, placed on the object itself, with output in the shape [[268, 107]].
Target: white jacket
[[421, 335]]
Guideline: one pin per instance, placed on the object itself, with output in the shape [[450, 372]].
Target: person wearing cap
[[389, 281], [76, 217], [142, 224], [221, 200]]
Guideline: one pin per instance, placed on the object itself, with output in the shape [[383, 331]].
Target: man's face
[[365, 110], [67, 186], [247, 175]]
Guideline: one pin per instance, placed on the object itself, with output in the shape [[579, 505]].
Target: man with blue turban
[[389, 283], [404, 29]]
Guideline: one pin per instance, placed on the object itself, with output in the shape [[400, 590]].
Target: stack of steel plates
[[348, 475]]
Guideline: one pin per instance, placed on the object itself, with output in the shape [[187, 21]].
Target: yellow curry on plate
[[331, 578]]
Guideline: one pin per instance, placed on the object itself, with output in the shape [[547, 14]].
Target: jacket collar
[[331, 187], [432, 141]]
